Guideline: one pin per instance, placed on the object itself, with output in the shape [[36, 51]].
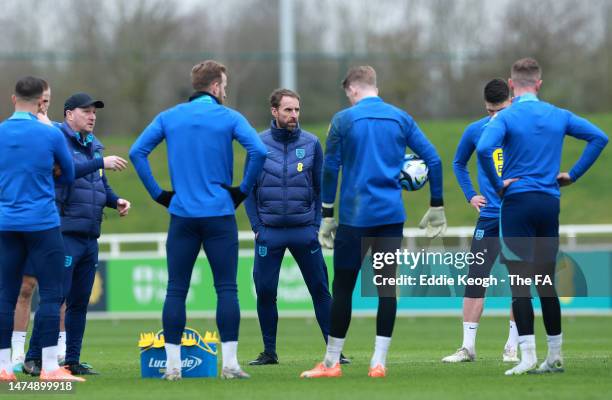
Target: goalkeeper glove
[[434, 222], [327, 232], [164, 198]]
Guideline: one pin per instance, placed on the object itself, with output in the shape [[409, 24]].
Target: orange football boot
[[59, 375], [377, 371], [7, 376], [321, 371]]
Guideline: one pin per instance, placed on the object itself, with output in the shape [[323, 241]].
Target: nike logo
[[315, 250]]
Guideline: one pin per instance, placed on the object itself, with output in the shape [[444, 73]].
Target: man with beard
[[285, 213]]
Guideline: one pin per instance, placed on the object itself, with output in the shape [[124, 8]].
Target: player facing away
[[199, 136], [368, 141], [30, 224], [531, 133], [24, 301], [486, 233]]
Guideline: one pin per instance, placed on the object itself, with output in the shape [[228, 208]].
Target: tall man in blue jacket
[[285, 213], [531, 133], [368, 141], [486, 233], [81, 207], [199, 136], [29, 222]]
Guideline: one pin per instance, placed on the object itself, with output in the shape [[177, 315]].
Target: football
[[413, 175]]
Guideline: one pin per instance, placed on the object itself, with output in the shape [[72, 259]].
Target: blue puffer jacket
[[288, 190], [80, 205]]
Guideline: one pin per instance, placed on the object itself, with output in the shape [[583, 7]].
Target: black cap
[[81, 100]]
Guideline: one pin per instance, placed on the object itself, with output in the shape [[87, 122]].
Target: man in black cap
[[80, 207]]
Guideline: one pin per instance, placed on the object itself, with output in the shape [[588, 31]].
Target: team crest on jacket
[[479, 234], [263, 251], [67, 261], [300, 153]]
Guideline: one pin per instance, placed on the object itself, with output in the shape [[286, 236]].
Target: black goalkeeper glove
[[164, 198], [238, 195]]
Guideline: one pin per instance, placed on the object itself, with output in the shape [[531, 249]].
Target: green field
[[414, 369], [577, 205]]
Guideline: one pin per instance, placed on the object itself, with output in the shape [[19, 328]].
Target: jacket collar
[[76, 136], [283, 135], [203, 97]]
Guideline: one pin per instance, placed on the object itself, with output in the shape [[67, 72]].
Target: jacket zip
[[285, 187]]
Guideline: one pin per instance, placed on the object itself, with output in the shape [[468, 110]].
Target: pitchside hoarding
[[137, 285]]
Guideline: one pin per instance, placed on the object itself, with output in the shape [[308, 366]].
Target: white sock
[[18, 345], [334, 348], [554, 347], [173, 356], [381, 346], [512, 336], [229, 352], [49, 358], [5, 360], [469, 336], [527, 345], [61, 345]]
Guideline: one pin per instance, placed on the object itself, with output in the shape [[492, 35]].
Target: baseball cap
[[81, 100]]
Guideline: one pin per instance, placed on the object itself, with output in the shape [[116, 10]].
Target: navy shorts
[[29, 268], [486, 241], [530, 227], [353, 243]]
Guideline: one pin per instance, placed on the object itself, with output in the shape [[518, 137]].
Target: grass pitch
[[414, 367]]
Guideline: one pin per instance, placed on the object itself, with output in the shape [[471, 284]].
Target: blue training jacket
[[28, 150], [531, 133], [467, 146], [199, 137], [81, 204], [368, 141], [288, 190]]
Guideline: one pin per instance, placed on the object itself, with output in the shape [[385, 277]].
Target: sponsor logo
[[300, 167], [188, 363], [498, 160]]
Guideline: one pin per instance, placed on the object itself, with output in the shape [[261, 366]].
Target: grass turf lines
[[414, 367]]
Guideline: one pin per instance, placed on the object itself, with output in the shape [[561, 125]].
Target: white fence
[[156, 242]]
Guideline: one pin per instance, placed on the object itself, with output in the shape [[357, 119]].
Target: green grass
[[578, 201], [414, 369]]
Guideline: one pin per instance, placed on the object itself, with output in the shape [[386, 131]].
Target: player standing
[[199, 136], [531, 133], [486, 233], [30, 224], [368, 141]]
